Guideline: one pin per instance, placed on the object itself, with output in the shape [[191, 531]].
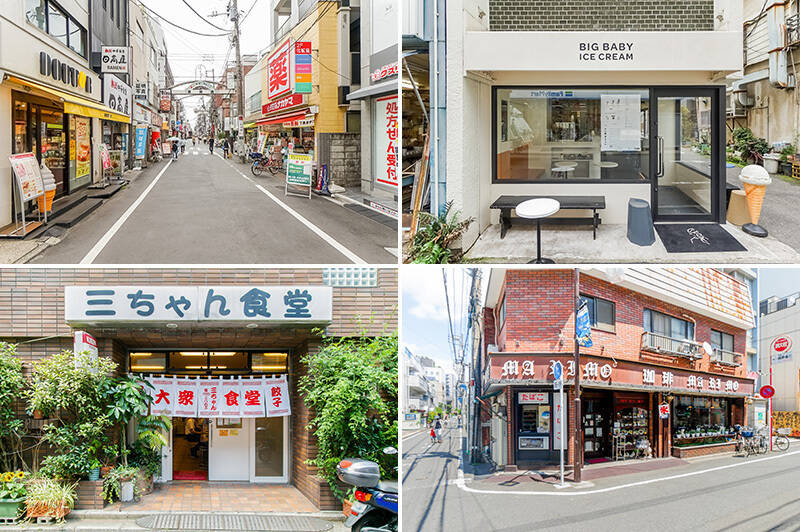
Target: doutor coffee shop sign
[[226, 305]]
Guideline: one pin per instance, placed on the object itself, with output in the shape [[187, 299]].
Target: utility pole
[[239, 71], [577, 448]]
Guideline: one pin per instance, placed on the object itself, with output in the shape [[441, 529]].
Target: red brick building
[[215, 337], [660, 337]]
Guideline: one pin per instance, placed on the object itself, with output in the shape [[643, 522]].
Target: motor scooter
[[375, 508]]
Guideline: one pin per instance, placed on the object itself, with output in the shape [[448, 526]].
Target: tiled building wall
[[601, 15], [539, 319]]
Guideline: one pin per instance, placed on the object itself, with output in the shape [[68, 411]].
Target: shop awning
[[249, 125], [374, 90], [281, 118], [75, 104]]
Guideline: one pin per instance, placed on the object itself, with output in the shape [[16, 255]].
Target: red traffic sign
[[767, 391], [781, 344]]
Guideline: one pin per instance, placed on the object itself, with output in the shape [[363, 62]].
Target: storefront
[[223, 350], [619, 112], [117, 95], [629, 410]]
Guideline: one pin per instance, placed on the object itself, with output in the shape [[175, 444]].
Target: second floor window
[[721, 340], [51, 19], [666, 325], [602, 313], [501, 314]]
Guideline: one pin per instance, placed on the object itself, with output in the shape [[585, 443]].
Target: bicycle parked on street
[[781, 439], [260, 163]]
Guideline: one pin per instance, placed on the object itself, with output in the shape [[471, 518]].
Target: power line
[[202, 17], [185, 29], [248, 11]]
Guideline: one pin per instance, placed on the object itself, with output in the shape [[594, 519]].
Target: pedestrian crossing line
[[106, 238], [319, 232]]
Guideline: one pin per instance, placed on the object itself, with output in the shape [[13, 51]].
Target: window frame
[[495, 181], [595, 324], [70, 21], [723, 335], [501, 313], [688, 323]]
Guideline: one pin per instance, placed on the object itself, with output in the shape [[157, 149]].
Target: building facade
[[213, 337], [417, 397], [50, 98], [779, 324], [615, 91], [665, 371]]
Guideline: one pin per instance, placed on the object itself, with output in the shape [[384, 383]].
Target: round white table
[[536, 209], [605, 166]]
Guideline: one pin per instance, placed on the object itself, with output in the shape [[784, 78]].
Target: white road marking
[[319, 232], [106, 238], [422, 431], [461, 483]]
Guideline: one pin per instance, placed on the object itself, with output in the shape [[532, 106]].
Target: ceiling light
[[252, 325], [172, 325]]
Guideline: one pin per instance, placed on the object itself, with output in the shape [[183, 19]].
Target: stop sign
[[767, 391], [781, 344]]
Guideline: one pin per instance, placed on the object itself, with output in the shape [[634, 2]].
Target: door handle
[[660, 156]]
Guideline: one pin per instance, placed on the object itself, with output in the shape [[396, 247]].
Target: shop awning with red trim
[[288, 117]]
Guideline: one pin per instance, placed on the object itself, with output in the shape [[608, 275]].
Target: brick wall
[[601, 15], [539, 319], [345, 159]]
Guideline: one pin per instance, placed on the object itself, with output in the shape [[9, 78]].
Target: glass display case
[[630, 431]]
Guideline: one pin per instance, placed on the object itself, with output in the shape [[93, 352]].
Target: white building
[[779, 325], [416, 398]]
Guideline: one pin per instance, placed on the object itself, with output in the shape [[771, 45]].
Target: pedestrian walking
[[225, 148], [211, 144]]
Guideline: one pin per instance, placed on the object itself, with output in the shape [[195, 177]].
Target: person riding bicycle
[[182, 144], [225, 148]]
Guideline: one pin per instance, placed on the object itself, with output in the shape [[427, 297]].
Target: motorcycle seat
[[387, 486]]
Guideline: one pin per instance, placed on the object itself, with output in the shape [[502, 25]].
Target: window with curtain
[[666, 325], [721, 340]]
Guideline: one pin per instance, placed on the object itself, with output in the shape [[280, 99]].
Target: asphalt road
[[205, 210], [751, 495]]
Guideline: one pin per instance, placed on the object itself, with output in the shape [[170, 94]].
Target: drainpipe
[[438, 108]]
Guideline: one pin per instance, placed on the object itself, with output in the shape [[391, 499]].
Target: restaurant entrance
[[688, 171], [596, 426]]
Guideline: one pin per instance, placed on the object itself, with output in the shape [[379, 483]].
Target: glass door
[[686, 166], [228, 439], [270, 450], [596, 416]]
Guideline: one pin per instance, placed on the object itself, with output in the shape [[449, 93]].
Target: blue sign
[[125, 145], [583, 326], [141, 142], [558, 371]]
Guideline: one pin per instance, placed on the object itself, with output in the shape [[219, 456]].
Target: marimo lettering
[[605, 51]]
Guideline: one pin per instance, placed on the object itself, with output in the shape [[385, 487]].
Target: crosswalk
[[201, 149]]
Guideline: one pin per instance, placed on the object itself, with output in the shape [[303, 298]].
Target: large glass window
[[57, 23], [703, 415], [209, 362], [568, 135], [35, 13], [665, 325], [52, 19], [269, 447], [721, 340], [535, 418]]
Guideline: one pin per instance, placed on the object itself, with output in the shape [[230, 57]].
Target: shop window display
[[630, 433], [700, 420]]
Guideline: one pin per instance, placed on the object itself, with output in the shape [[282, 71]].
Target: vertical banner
[[230, 397], [163, 394], [277, 396], [209, 397], [253, 397], [141, 142], [186, 393], [302, 67], [558, 427], [387, 140]]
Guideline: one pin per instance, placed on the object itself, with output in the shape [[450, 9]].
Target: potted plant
[[94, 469], [12, 494], [49, 498], [120, 483]]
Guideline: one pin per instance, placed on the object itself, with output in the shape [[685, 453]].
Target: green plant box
[[11, 507]]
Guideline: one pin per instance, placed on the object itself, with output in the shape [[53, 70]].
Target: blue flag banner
[[583, 326]]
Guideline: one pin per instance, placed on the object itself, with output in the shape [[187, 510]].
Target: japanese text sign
[[302, 67], [532, 398], [115, 59], [663, 411], [29, 179], [186, 398], [386, 135], [225, 304], [279, 81], [253, 393], [208, 395], [277, 397], [231, 394], [163, 396], [299, 169]]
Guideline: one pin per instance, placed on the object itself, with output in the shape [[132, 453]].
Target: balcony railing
[[726, 358], [415, 382], [664, 345]]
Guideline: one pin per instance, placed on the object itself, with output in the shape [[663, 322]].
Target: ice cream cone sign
[[754, 180]]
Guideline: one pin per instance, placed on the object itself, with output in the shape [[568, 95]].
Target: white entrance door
[[269, 449], [228, 449], [166, 460]]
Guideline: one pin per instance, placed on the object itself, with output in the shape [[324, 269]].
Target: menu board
[[620, 121], [29, 179], [83, 157]]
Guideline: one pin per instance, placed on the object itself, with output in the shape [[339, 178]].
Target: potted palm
[[12, 494], [49, 498]]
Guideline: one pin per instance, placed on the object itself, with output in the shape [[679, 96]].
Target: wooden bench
[[593, 203]]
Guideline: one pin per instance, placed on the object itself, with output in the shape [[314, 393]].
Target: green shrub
[[752, 147], [431, 244], [12, 384]]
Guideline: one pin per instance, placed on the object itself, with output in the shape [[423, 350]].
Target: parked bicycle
[[260, 163], [781, 439]]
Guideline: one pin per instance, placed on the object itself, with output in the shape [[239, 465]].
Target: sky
[[425, 323], [778, 282], [186, 50]]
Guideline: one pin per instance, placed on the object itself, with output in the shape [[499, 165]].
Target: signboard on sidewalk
[[298, 171], [28, 177]]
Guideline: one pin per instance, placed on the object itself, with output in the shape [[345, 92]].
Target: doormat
[[697, 238], [265, 523], [597, 460], [190, 475]]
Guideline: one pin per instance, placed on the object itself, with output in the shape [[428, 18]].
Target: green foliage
[[750, 146], [145, 458], [12, 485], [786, 152], [12, 384], [127, 398], [351, 384], [152, 430], [432, 241], [73, 389], [112, 483], [52, 494]]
